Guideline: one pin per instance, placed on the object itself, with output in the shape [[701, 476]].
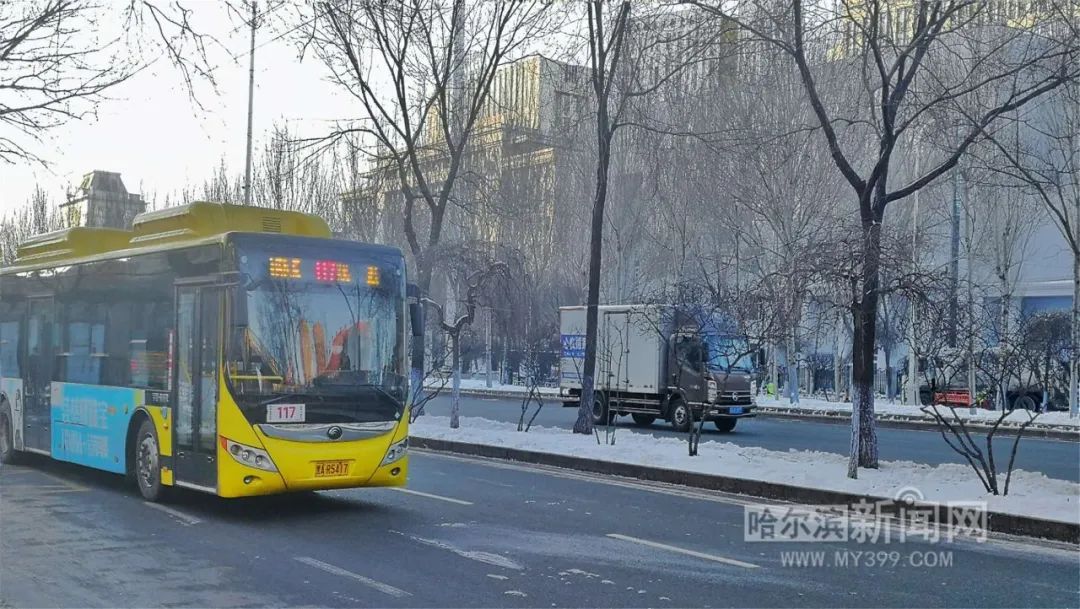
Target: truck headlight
[[712, 391], [753, 388], [396, 451]]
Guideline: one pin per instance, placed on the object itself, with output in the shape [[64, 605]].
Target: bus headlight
[[712, 391], [248, 455], [396, 451]]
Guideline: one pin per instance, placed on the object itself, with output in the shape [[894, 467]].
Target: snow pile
[[1030, 494], [881, 407]]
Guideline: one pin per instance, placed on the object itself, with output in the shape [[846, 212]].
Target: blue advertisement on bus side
[[90, 422]]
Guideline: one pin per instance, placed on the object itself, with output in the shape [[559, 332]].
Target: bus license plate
[[285, 413], [331, 468]]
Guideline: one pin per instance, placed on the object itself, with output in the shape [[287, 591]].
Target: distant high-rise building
[[101, 201]]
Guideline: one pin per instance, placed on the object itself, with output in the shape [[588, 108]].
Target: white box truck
[[657, 362]]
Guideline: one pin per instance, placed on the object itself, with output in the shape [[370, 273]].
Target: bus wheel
[[680, 416], [725, 425], [147, 462], [643, 419], [8, 456]]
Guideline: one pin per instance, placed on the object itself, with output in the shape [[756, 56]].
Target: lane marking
[[488, 558], [702, 555], [367, 581], [663, 488], [186, 519], [619, 481], [431, 496]]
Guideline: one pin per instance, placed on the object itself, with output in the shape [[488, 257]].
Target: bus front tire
[[8, 455], [148, 462]]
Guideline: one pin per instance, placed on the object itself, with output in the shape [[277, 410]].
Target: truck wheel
[[600, 414], [643, 419], [8, 455], [725, 425], [680, 417], [148, 462]]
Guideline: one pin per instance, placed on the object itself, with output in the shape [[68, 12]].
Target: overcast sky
[[153, 134]]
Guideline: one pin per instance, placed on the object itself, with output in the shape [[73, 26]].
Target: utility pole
[[954, 262], [487, 361], [913, 363], [251, 99]]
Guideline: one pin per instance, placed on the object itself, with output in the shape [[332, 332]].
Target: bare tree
[[476, 284], [968, 58], [624, 71], [54, 68], [1042, 154], [420, 72]]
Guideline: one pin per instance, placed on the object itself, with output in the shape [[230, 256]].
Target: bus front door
[[198, 312], [37, 393]]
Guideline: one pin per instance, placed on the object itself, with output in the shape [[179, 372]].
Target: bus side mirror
[[416, 310]]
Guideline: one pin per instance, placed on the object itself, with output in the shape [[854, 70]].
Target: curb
[[1008, 524], [833, 416]]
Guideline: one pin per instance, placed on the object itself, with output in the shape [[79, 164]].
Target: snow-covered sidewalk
[[1030, 494]]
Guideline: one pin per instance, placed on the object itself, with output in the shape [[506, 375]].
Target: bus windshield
[[323, 331]]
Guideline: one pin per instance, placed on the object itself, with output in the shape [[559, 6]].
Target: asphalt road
[[1055, 458], [469, 533]]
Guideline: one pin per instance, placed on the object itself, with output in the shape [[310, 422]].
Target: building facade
[[101, 201]]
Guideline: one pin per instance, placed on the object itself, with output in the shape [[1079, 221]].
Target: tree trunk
[[793, 369], [583, 424], [864, 318], [455, 404], [837, 368], [1074, 357], [1001, 401]]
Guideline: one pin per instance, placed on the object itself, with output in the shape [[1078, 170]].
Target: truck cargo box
[[631, 350]]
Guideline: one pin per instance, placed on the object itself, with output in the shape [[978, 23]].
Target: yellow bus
[[228, 349]]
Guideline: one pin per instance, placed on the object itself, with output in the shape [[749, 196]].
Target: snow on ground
[[1031, 494], [882, 407]]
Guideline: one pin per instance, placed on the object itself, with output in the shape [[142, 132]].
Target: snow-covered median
[[815, 406], [1030, 494], [481, 385], [885, 410]]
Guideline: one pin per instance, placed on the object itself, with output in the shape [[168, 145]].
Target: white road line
[[663, 546], [367, 581], [639, 485], [177, 514], [430, 496]]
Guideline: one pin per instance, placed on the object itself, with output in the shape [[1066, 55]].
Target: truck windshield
[[335, 338], [728, 353]]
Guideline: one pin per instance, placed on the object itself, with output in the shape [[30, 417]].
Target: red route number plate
[[285, 413], [331, 468]]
